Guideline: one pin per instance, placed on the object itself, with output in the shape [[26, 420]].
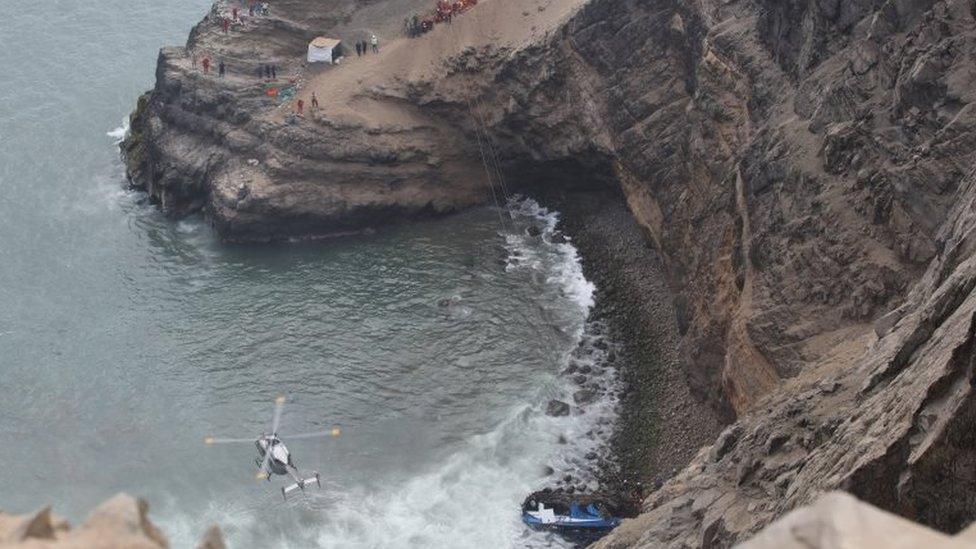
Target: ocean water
[[126, 337]]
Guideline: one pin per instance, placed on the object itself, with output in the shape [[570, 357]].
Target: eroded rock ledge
[[802, 167]]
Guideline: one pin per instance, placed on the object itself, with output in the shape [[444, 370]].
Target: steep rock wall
[[801, 166], [791, 161]]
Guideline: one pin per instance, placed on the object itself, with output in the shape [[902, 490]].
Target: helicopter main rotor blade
[[279, 404], [213, 440], [264, 472], [334, 432]]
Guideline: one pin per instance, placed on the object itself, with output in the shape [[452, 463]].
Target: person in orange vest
[[206, 65], [300, 105]]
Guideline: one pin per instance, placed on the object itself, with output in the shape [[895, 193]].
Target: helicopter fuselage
[[280, 457]]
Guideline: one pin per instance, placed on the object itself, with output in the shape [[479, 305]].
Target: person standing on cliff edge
[[221, 68], [299, 106], [359, 49], [206, 65], [315, 101], [376, 43]]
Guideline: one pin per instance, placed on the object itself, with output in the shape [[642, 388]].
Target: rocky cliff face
[[802, 167], [787, 160]]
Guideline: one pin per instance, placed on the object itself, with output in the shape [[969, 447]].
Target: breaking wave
[[118, 134]]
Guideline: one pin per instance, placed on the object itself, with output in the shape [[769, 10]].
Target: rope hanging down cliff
[[489, 156]]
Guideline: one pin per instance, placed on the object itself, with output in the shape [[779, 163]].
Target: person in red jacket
[[300, 105], [206, 65]]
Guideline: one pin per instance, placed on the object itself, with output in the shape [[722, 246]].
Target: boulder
[[557, 408], [839, 521]]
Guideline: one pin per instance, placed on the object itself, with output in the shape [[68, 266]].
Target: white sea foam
[[118, 134], [564, 266]]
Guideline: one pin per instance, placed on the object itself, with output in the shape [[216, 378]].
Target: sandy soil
[[343, 90]]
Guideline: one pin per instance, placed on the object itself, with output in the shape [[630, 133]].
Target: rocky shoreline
[[661, 425]]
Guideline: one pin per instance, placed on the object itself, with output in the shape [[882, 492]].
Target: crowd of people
[[237, 15], [443, 12]]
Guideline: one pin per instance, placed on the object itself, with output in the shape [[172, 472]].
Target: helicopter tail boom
[[300, 484]]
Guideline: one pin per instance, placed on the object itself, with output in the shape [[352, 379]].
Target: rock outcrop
[[122, 521], [200, 141], [804, 169], [838, 520]]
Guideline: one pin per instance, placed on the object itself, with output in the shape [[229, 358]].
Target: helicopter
[[274, 457]]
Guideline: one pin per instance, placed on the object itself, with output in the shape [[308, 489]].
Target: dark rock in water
[[532, 230], [558, 238], [580, 379], [548, 471], [568, 478], [585, 369], [571, 369], [444, 302], [557, 408], [584, 396], [562, 439]]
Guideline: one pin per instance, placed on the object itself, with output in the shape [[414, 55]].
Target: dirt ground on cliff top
[[662, 426], [344, 90]]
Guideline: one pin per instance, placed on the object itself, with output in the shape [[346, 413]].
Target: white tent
[[320, 49]]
